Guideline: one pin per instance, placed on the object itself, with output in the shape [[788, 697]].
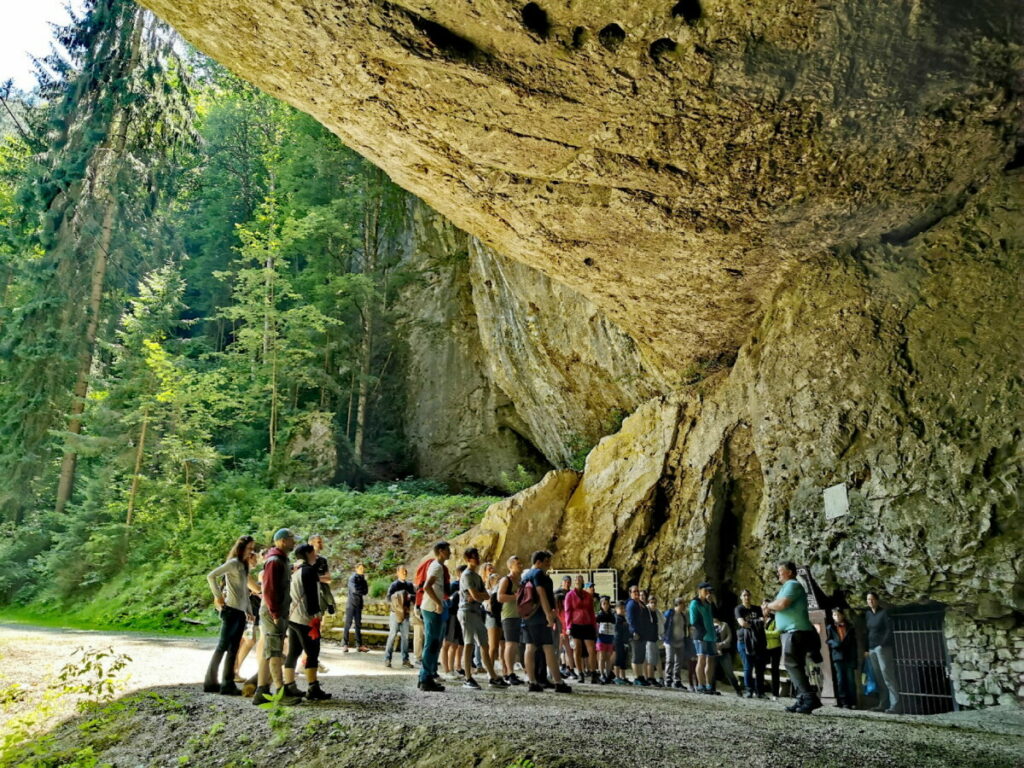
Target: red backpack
[[421, 579], [526, 599]]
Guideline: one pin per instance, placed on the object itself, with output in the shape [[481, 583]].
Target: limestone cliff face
[[506, 367], [669, 160]]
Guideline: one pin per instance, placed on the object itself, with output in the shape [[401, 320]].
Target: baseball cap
[[283, 533], [705, 585]]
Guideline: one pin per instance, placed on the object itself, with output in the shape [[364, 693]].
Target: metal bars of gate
[[922, 664]]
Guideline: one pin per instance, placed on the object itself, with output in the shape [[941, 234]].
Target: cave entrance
[[922, 659]]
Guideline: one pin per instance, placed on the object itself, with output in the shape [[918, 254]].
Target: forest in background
[[193, 276]]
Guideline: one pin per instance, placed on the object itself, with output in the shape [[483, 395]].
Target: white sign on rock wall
[[837, 503]]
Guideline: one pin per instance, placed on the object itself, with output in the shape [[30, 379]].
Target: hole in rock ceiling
[[660, 48], [535, 19], [612, 37], [687, 10]]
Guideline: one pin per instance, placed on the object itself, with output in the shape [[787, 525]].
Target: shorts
[[705, 648], [454, 633], [639, 648], [537, 634], [605, 643], [621, 656], [653, 654], [491, 623], [273, 635], [583, 631], [512, 630], [474, 630]]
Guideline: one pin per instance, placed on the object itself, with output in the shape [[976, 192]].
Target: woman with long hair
[[233, 603]]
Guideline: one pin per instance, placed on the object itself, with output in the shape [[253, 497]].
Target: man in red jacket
[[277, 575]]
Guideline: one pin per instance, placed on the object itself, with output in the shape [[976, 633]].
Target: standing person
[[472, 596], [274, 617], [723, 657], [798, 637], [581, 622], [357, 590], [540, 623], [605, 640], [622, 641], [451, 652], [430, 595], [401, 597], [842, 643], [637, 617], [323, 569], [676, 637], [304, 625], [702, 626], [492, 619], [252, 634], [234, 608], [511, 624], [653, 653], [773, 646], [750, 642], [416, 622], [880, 653]]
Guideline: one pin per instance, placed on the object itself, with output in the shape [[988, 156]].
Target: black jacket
[[357, 587], [844, 650], [879, 628]]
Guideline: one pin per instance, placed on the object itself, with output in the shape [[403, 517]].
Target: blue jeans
[[433, 634], [396, 628], [753, 669], [845, 674]]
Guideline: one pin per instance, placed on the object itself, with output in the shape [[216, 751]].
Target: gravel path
[[378, 718]]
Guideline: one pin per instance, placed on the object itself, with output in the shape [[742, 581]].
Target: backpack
[[527, 601], [421, 579]]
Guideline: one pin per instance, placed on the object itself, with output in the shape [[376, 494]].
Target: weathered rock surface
[[506, 366], [670, 161], [311, 455]]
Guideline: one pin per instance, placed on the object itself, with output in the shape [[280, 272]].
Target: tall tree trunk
[[99, 272], [371, 244], [139, 452], [364, 386]]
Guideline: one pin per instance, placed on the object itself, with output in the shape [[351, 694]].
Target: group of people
[[475, 620]]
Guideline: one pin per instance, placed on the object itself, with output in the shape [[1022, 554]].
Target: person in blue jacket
[[638, 617], [702, 624]]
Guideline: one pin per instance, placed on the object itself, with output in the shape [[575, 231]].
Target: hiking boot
[[471, 683], [261, 695], [497, 682], [316, 693], [810, 704], [431, 686], [595, 679], [230, 689], [211, 687], [713, 692], [621, 681], [656, 683], [387, 663], [513, 680], [535, 688], [640, 681], [344, 649], [292, 689], [407, 664], [548, 685], [797, 704], [678, 685], [563, 688]]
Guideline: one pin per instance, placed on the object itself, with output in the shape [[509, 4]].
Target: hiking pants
[[354, 613], [300, 642], [884, 667], [794, 657], [397, 627], [433, 630], [675, 663], [753, 669], [232, 627]]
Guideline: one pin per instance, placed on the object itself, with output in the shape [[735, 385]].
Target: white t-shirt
[[433, 595]]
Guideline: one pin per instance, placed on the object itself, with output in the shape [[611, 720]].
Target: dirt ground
[[378, 718]]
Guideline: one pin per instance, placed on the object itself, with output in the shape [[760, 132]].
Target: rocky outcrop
[[506, 367], [310, 456], [671, 161]]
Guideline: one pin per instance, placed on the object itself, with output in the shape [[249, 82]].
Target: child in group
[[605, 641], [622, 636]]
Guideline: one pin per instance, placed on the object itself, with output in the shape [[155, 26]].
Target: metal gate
[[922, 662]]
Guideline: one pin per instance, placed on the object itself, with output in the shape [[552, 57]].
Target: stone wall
[[987, 658]]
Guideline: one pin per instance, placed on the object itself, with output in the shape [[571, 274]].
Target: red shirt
[[579, 608]]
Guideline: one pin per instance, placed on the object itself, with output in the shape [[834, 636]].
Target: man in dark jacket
[[357, 589], [276, 579], [401, 596], [880, 652], [842, 643], [640, 631]]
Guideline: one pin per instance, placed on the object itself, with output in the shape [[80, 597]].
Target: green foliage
[[519, 480], [279, 718], [379, 587]]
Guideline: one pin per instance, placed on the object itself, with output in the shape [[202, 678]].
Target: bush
[[379, 587]]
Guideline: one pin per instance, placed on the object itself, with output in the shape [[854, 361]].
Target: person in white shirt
[[233, 603], [433, 609]]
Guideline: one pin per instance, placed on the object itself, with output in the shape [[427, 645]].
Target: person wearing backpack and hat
[[431, 589], [536, 605]]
